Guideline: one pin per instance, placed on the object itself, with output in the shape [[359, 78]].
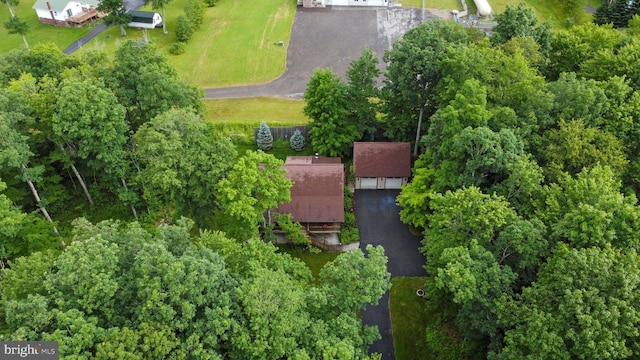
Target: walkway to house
[[379, 223]]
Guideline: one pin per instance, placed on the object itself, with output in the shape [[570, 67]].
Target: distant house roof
[[382, 159], [59, 5], [317, 194], [145, 17]]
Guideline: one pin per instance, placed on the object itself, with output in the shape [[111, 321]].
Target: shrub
[[297, 141], [349, 235], [178, 48], [194, 12], [349, 219], [211, 3], [184, 30], [292, 230], [348, 200], [265, 139]]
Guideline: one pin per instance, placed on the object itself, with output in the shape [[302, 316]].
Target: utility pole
[[422, 10]]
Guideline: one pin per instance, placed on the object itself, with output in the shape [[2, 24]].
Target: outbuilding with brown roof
[[381, 165]]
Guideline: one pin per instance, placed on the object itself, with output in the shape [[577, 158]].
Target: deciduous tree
[[255, 185], [584, 305], [159, 5], [363, 93], [147, 85], [181, 162], [332, 132], [354, 280], [14, 25], [521, 20], [116, 14], [411, 76]]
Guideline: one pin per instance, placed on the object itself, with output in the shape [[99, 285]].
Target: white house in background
[[381, 165], [323, 3], [145, 19], [67, 12]]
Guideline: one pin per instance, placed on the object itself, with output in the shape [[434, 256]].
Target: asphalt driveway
[[379, 222]]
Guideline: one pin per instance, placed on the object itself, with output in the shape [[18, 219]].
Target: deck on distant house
[[86, 15]]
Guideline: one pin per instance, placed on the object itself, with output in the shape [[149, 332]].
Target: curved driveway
[[379, 222]]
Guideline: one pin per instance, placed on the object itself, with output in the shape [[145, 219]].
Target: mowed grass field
[[545, 9], [238, 117], [234, 46]]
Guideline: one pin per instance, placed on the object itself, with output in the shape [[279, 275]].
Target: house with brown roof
[[317, 195], [381, 165]]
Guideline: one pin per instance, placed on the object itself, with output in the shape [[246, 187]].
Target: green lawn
[[238, 117], [436, 4], [315, 262], [234, 46], [546, 9], [275, 111], [409, 317]]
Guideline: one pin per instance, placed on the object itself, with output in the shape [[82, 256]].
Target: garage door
[[368, 183], [393, 183]]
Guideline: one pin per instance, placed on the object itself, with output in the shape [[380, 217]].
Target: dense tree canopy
[[527, 190], [118, 291], [412, 75], [182, 162]]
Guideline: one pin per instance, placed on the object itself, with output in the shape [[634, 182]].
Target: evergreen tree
[[184, 30], [297, 141], [617, 12], [602, 15], [194, 12], [265, 139]]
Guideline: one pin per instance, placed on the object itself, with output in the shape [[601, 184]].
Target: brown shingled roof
[[317, 194], [382, 159]]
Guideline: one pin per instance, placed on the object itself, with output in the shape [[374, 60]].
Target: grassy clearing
[[238, 117], [408, 318], [40, 33], [315, 262], [418, 330], [234, 46], [435, 4], [275, 111], [545, 9]]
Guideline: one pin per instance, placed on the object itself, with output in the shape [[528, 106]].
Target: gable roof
[[317, 194], [382, 159], [59, 5], [145, 17]]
